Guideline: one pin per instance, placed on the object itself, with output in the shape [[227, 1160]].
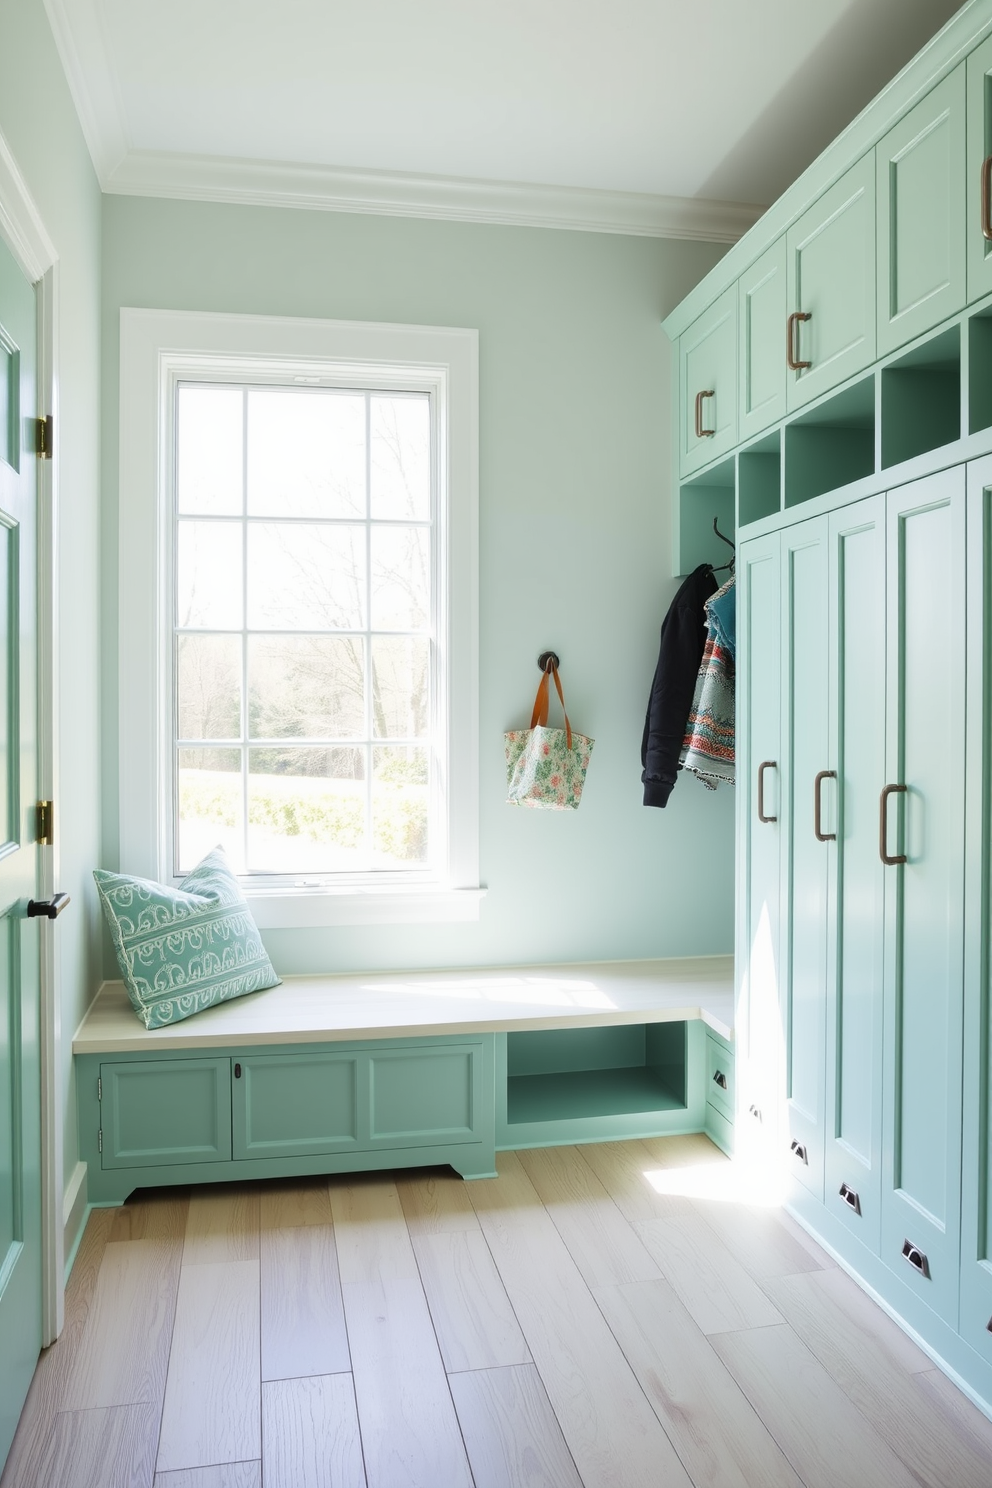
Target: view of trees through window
[[303, 628]]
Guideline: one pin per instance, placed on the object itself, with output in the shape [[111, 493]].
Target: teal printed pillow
[[182, 950]]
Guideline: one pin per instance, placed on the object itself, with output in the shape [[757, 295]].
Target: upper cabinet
[[762, 310], [708, 384], [979, 183], [830, 251], [920, 185]]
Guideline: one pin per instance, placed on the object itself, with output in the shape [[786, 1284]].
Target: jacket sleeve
[[683, 637]]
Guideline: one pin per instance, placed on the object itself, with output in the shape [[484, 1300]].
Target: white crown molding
[[82, 47], [445, 198], [21, 227]]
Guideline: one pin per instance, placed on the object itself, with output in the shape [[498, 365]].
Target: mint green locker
[[708, 384], [804, 800], [762, 319], [920, 194], [761, 1052], [921, 832], [831, 286], [856, 761], [978, 188], [975, 1323]]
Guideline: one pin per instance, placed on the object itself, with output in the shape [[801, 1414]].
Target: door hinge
[[99, 1140], [45, 445], [99, 1088], [46, 823]]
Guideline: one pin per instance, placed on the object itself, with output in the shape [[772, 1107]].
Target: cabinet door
[[292, 1105], [925, 756], [976, 1191], [852, 1162], [979, 223], [804, 751], [761, 1043], [708, 384], [762, 312], [154, 1113], [920, 186], [831, 278], [427, 1096]]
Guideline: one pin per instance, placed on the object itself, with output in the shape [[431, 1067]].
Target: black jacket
[[683, 637]]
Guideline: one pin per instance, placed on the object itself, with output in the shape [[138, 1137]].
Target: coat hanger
[[730, 545]]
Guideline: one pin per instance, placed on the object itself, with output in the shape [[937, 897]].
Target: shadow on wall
[[869, 44]]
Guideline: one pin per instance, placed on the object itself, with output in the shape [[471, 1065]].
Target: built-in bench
[[343, 1073]]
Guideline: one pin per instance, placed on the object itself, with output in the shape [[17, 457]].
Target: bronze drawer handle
[[818, 832], [702, 433], [792, 341], [987, 198], [883, 833], [765, 765]]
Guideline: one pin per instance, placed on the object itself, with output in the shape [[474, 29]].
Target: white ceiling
[[724, 100]]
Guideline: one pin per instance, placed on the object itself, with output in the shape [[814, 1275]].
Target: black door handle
[[49, 909]]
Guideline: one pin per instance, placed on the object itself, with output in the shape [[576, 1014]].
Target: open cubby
[[831, 445], [709, 495], [759, 479], [575, 1074], [921, 399], [980, 371]]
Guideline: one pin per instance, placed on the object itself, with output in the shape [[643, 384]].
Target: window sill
[[304, 909]]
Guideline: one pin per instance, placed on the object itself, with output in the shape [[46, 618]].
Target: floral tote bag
[[546, 767]]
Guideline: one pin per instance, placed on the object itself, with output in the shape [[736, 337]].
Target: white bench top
[[423, 1003]]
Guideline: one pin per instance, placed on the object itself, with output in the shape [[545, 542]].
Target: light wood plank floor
[[597, 1317]]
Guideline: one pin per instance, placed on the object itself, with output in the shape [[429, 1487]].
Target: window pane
[[401, 457], [209, 687], [306, 810], [399, 807], [306, 454], [210, 809], [209, 576], [306, 687], [400, 578], [304, 577], [209, 454], [400, 692]]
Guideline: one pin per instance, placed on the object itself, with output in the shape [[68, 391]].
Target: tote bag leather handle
[[540, 713]]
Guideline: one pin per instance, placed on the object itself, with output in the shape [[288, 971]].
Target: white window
[[298, 565]]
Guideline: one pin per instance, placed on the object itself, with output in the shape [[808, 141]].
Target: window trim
[[157, 348]]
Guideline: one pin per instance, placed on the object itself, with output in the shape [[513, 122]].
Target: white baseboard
[[74, 1211]]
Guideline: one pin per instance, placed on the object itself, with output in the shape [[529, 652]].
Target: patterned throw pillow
[[182, 950]]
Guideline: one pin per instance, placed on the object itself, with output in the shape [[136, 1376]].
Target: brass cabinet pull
[[820, 835], [765, 765], [702, 433], [883, 834], [987, 198], [792, 341]]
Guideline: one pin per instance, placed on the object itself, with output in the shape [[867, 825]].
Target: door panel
[[762, 310], [427, 1097], [831, 278], [761, 1047], [708, 364], [923, 909], [921, 216], [805, 753], [289, 1105], [155, 1114], [20, 1081], [852, 1172]]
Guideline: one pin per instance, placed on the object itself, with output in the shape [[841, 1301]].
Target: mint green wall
[[574, 535], [39, 123]]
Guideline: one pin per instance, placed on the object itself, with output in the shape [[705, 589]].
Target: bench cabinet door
[[292, 1105], [424, 1097], [154, 1113]]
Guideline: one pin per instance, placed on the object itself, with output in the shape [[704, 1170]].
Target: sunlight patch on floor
[[726, 1183]]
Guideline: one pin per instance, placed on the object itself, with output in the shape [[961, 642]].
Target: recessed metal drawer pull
[[850, 1198], [798, 1150], [916, 1258], [988, 1326], [720, 1079], [753, 1111]]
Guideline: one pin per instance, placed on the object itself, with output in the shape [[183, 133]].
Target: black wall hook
[[548, 661]]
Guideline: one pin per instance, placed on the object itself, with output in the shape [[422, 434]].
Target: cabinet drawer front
[[720, 1077], [921, 216], [425, 1097], [154, 1114], [289, 1105], [832, 280], [708, 364]]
